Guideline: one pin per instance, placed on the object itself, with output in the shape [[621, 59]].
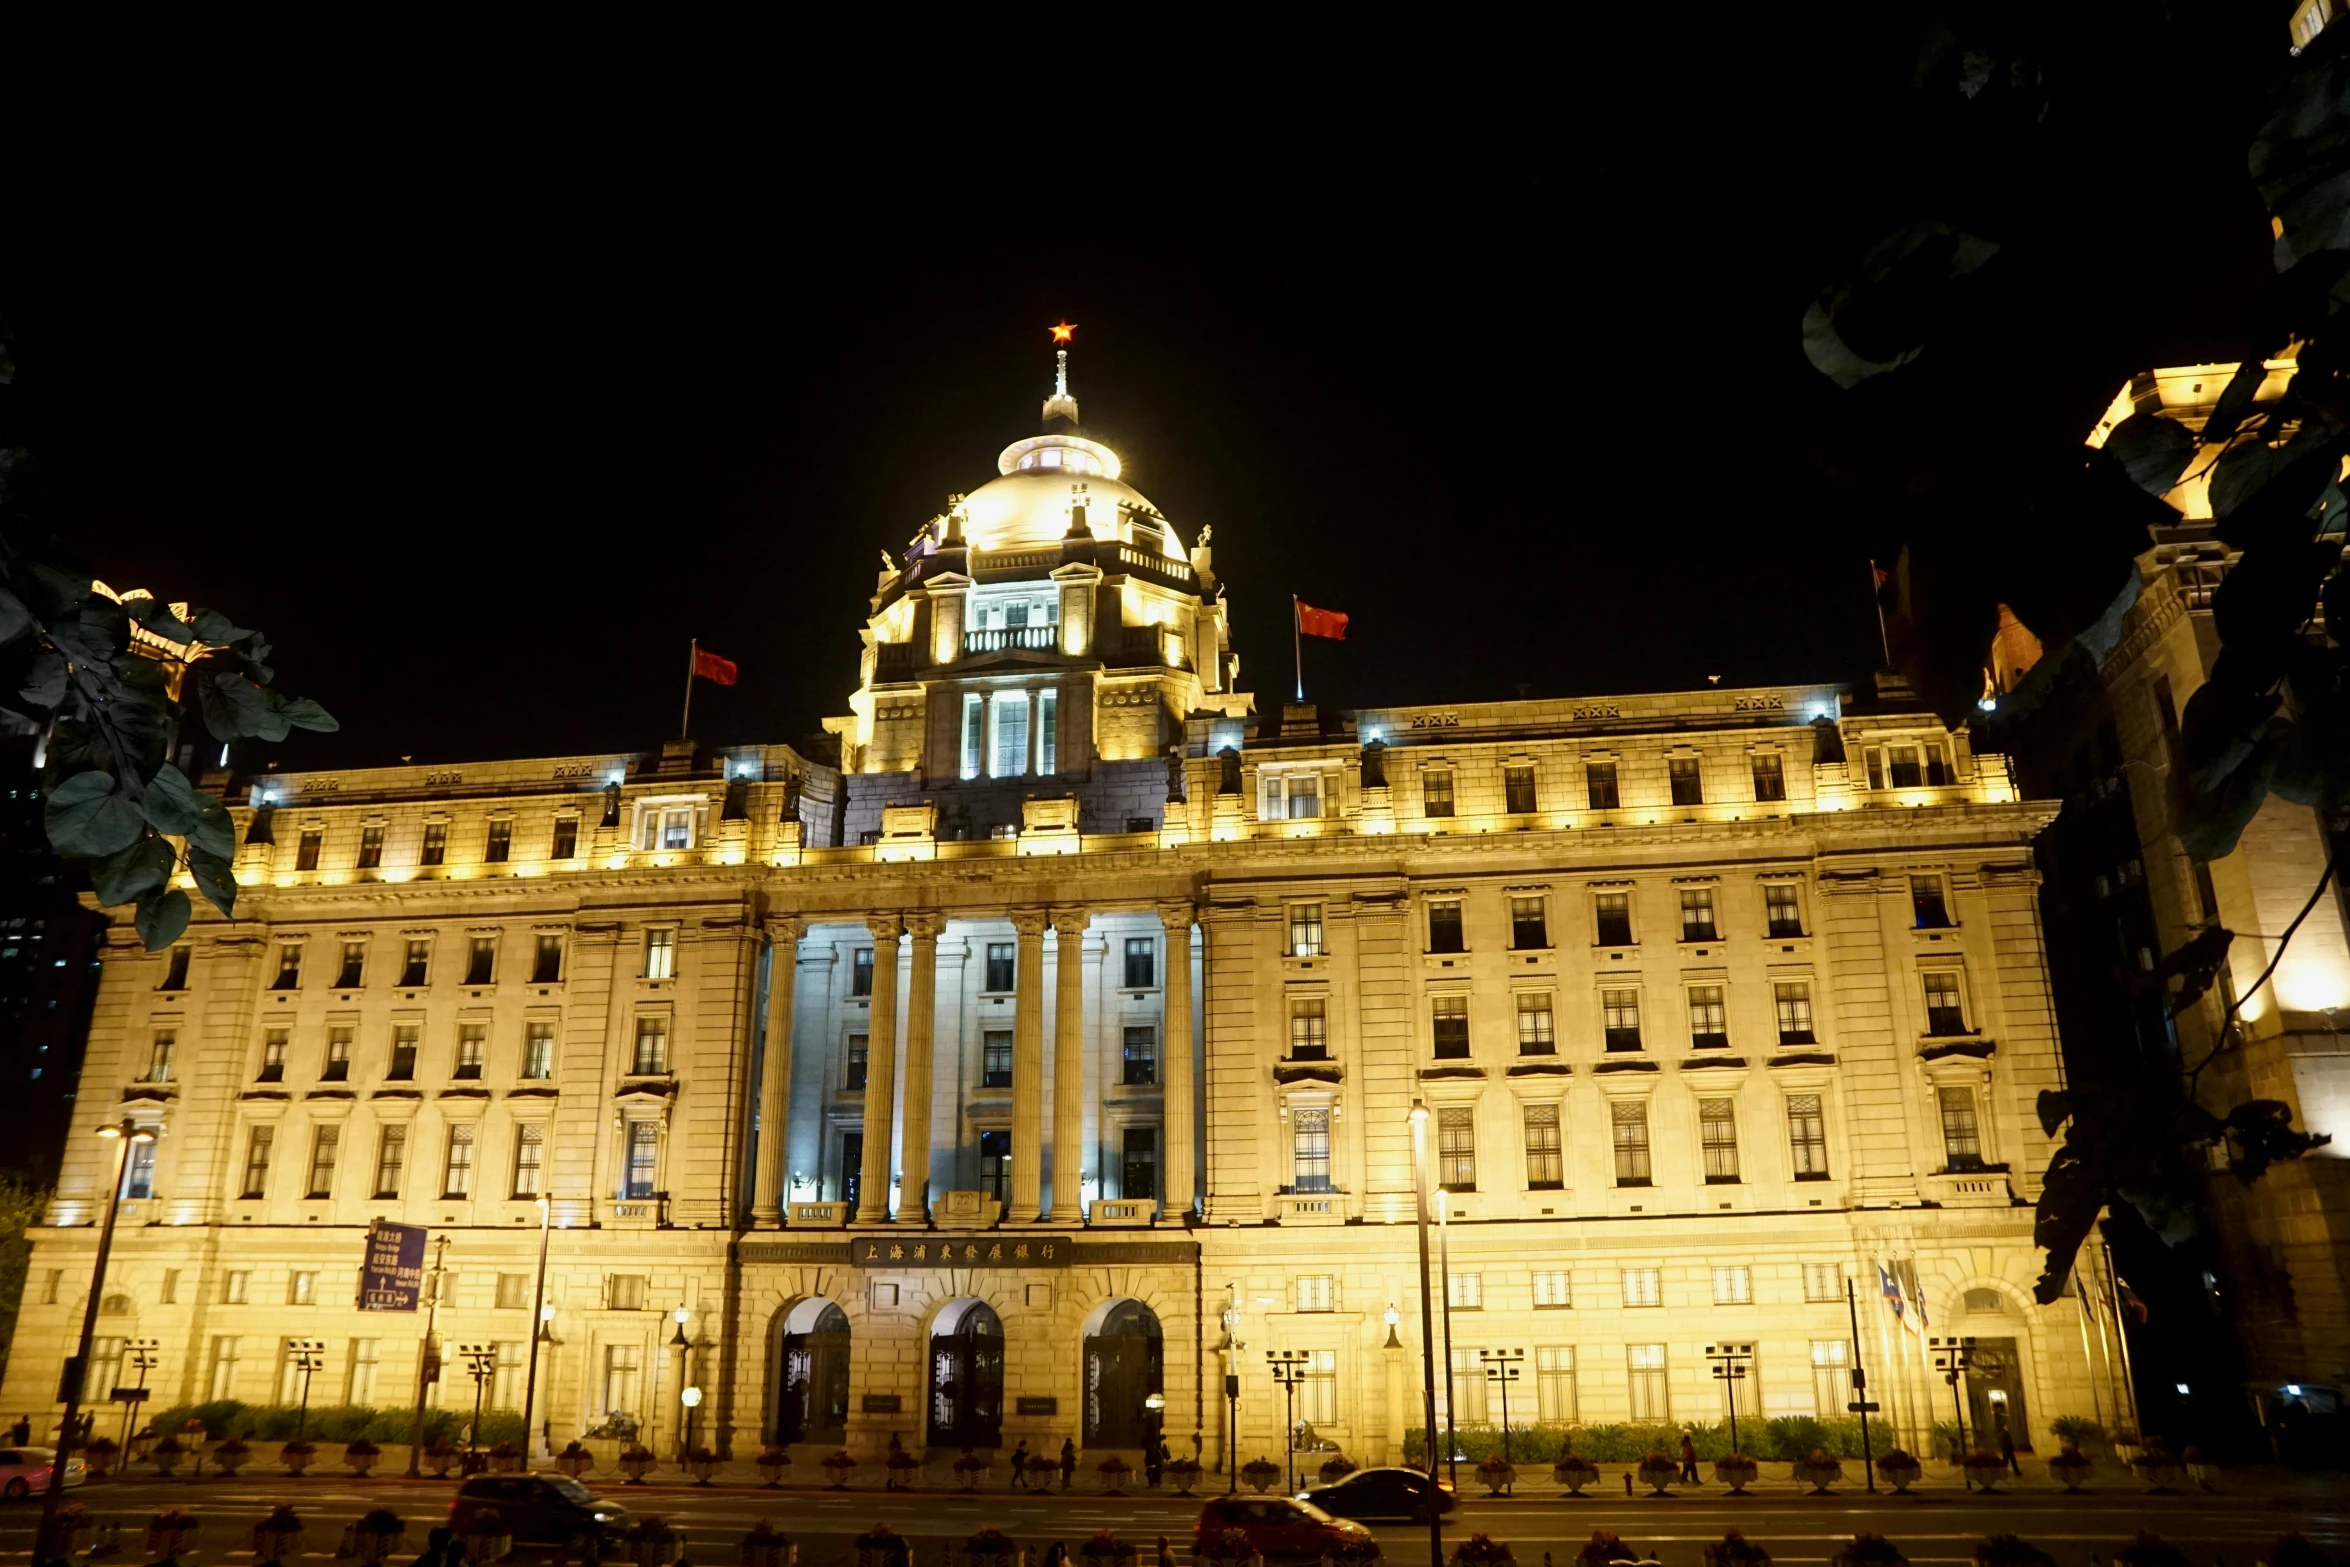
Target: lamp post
[[140, 1355], [1289, 1369], [428, 1355], [1232, 1348], [1729, 1363], [1953, 1357], [309, 1358], [122, 1135], [482, 1361], [692, 1399], [1502, 1367], [685, 1348], [538, 1312], [1452, 1447], [1419, 1119]]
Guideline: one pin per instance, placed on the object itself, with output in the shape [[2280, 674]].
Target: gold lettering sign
[[1035, 1252]]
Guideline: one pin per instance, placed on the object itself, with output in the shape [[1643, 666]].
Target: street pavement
[[1939, 1526]]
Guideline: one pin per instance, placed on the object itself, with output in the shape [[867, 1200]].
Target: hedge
[[340, 1423], [1790, 1436]]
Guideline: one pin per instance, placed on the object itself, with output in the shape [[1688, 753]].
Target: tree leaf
[[88, 815], [2070, 1195], [157, 617], [45, 682], [15, 619], [131, 873], [172, 803], [2056, 1108], [246, 709], [163, 917], [215, 877], [212, 626], [303, 713], [2152, 450], [2235, 401]]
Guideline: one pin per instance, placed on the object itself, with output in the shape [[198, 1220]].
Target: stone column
[[783, 972], [1028, 1065], [881, 1072], [1177, 1128], [921, 1023], [1069, 1066]]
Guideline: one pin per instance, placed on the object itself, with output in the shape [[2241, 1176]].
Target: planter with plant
[[2005, 1550], [1115, 1472], [2078, 1431], [69, 1531], [1497, 1474], [231, 1455], [1106, 1548], [1735, 1470], [1227, 1545], [1658, 1470], [701, 1463], [969, 1469], [2159, 1467], [575, 1460], [1817, 1470], [440, 1455], [277, 1537], [1982, 1469], [2150, 1550], [1604, 1547], [375, 1537], [1335, 1468], [2199, 1469], [1183, 1473], [763, 1547], [636, 1461], [900, 1469], [360, 1456], [504, 1460], [990, 1547], [166, 1455], [839, 1464], [295, 1456], [2070, 1467], [100, 1453], [651, 1543], [1260, 1473], [1574, 1471], [1481, 1547], [1899, 1469], [1736, 1550], [487, 1539], [882, 1546], [1869, 1550], [771, 1464], [1043, 1466], [170, 1533]]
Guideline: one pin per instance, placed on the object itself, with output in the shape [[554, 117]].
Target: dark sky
[[483, 412]]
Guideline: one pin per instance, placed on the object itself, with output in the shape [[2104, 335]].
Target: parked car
[[1384, 1493], [1279, 1528], [538, 1509], [25, 1470]]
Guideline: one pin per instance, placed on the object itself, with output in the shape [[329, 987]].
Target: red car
[[1279, 1528]]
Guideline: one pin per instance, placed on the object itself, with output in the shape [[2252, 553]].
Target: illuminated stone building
[[960, 1090]]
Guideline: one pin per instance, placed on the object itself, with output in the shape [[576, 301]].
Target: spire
[[1060, 405]]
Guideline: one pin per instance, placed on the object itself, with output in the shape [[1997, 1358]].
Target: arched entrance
[[1124, 1366], [812, 1386], [967, 1376]]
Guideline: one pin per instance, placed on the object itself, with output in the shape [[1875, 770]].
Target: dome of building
[[1046, 478]]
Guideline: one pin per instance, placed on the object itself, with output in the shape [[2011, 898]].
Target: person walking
[[1068, 1461], [2007, 1449], [1154, 1460], [1688, 1460], [21, 1433], [1020, 1466]]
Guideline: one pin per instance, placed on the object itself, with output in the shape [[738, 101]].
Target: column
[[783, 972], [1069, 1066], [921, 1024], [1177, 1129], [881, 1072], [1028, 1065]]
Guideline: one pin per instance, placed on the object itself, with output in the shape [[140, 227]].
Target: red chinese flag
[[711, 667], [1314, 622]]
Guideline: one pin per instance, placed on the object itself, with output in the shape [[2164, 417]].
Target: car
[[24, 1471], [1279, 1528], [538, 1509], [1384, 1493]]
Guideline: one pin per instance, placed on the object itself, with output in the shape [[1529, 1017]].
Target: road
[[1936, 1528]]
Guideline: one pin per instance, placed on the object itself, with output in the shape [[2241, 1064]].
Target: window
[[224, 1369], [257, 1146], [1697, 914], [1305, 930], [1517, 790], [1141, 1057], [1009, 713], [1537, 1034], [1944, 1012], [1782, 914], [481, 960], [995, 1161], [325, 1143], [1831, 1376], [623, 1371], [1317, 1390], [1544, 1168], [1444, 927], [236, 1289], [1687, 789], [471, 1038], [538, 1051], [139, 1171], [1876, 761], [974, 713], [547, 964], [436, 843], [457, 1173], [354, 971], [670, 827], [1554, 1385], [337, 1067], [995, 1051], [50, 1284], [1823, 1281], [1142, 962], [1620, 1015], [644, 1153], [999, 968], [1599, 782], [391, 1158], [159, 1054], [625, 1291], [1139, 1163], [501, 843], [661, 959], [415, 966], [530, 1150], [175, 970], [1709, 1018], [1529, 924], [1645, 1364], [1456, 1148], [1450, 1015], [1314, 1293], [1287, 796], [1807, 1136], [505, 1388], [289, 967], [566, 844], [1310, 1150], [302, 1288], [403, 1053], [1717, 1128], [859, 1058], [1641, 1287], [1733, 1286], [1467, 1393], [1466, 1292], [1770, 776], [1793, 1001], [1436, 792], [1925, 899], [1938, 773], [1551, 1289], [1611, 917], [1962, 1144], [652, 1047], [371, 847], [1901, 766], [359, 1385], [1628, 1118], [1309, 1029]]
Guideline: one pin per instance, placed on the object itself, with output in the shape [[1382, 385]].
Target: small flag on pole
[[1314, 622], [701, 666], [709, 666]]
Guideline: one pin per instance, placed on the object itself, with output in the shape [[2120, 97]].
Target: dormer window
[[1291, 796]]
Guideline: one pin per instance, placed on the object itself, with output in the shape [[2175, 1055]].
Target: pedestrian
[[1020, 1466], [21, 1433], [2007, 1449], [891, 1470], [1688, 1460], [1056, 1555], [1166, 1556], [1154, 1460], [1627, 1482], [436, 1549], [1068, 1461]]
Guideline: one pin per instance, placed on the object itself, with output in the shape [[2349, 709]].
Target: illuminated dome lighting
[[1045, 477]]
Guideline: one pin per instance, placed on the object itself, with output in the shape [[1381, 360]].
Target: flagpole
[[685, 722], [1883, 641], [1297, 646]]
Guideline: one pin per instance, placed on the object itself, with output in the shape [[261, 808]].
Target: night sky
[[482, 421]]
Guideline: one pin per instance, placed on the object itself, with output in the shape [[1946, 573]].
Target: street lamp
[[1289, 1369], [692, 1399], [1419, 1119], [482, 1361], [1729, 1363], [685, 1348], [1954, 1357], [122, 1135], [539, 1310], [1501, 1369], [140, 1354], [1452, 1449], [309, 1358], [1233, 1345], [1391, 1318]]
